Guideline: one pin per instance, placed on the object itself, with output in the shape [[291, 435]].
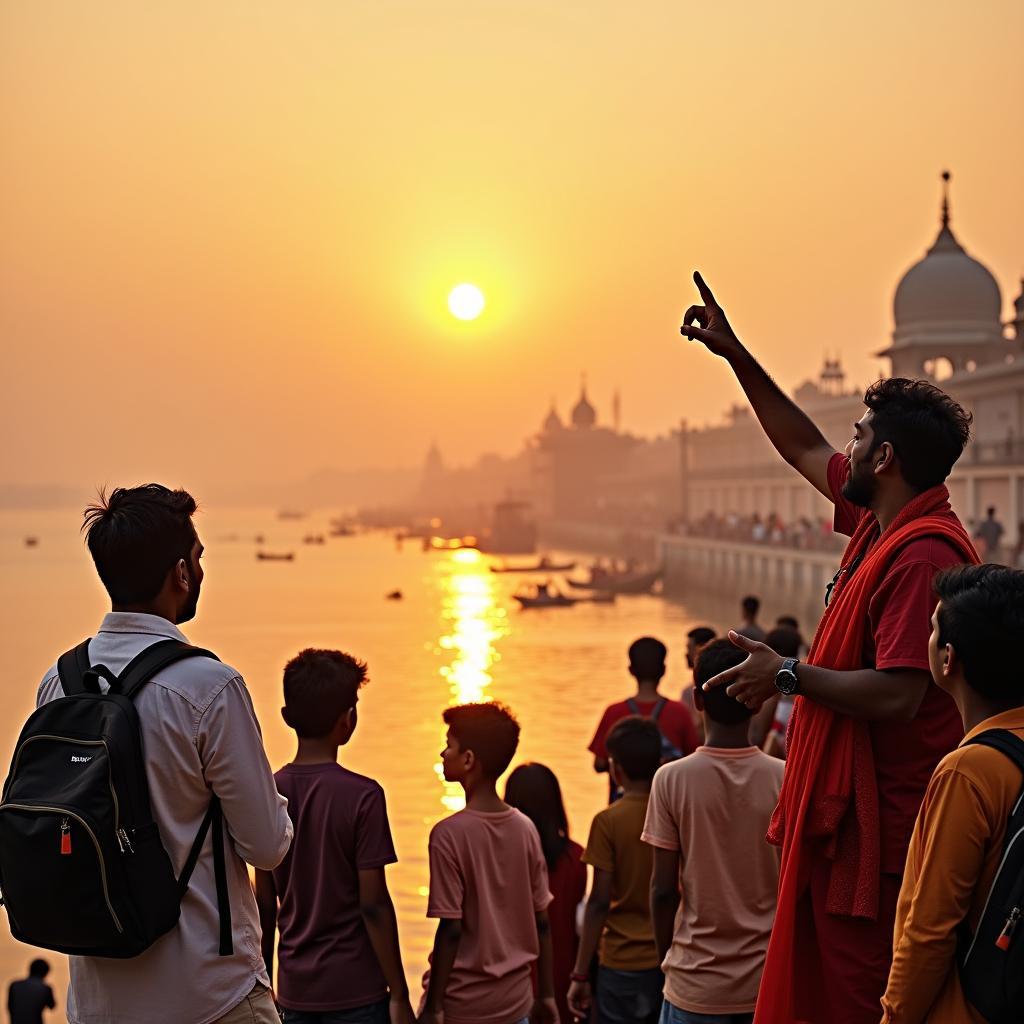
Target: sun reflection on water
[[474, 623]]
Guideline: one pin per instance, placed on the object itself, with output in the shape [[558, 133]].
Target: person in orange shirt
[[958, 839]]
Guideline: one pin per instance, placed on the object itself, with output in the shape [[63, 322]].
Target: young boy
[[488, 887], [707, 819], [617, 916], [647, 667], [959, 836], [339, 955]]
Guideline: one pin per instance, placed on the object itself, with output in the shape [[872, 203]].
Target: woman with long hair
[[533, 789]]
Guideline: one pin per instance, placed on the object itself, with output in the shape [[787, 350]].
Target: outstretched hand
[[713, 328], [752, 681]]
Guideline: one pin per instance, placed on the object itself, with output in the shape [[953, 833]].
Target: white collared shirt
[[199, 736]]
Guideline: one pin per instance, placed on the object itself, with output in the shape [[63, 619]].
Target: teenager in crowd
[[534, 790], [339, 955], [647, 667], [201, 740], [749, 626], [617, 920], [696, 638], [959, 838], [869, 726], [488, 887], [706, 820]]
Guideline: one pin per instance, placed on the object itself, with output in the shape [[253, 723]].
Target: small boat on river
[[619, 583], [275, 556], [544, 564]]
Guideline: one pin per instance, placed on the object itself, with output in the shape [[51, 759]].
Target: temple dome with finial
[[584, 415], [947, 286], [552, 422]]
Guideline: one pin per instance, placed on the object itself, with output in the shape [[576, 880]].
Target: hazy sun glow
[[466, 301]]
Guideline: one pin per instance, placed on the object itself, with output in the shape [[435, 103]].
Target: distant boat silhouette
[[542, 565], [619, 583], [291, 513], [31, 542], [275, 556], [395, 595], [314, 538]]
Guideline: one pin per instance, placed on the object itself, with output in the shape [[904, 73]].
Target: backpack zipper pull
[[1006, 935], [65, 838], [124, 842]]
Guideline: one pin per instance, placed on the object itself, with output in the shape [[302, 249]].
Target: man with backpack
[[678, 734], [105, 884], [958, 946]]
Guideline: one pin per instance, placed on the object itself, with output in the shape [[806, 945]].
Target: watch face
[[786, 681]]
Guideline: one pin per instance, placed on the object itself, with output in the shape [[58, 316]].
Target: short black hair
[[927, 429], [751, 605], [647, 658], [981, 615], [319, 687], [717, 657], [788, 621], [533, 789], [136, 536], [38, 969], [489, 729], [701, 635], [634, 744], [784, 641]]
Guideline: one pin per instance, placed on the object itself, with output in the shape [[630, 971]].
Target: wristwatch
[[786, 681]]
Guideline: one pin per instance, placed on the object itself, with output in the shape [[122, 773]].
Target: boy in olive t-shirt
[[617, 922]]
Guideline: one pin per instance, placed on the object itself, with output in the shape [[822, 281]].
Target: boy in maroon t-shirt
[[339, 955], [647, 667]]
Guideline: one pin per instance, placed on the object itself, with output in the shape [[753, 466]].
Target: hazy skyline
[[229, 231]]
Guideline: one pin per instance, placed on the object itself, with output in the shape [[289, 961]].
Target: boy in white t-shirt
[[706, 819]]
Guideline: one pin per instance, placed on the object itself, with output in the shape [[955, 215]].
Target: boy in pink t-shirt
[[706, 819], [488, 887]]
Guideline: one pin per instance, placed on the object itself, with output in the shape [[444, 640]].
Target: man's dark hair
[[717, 657], [634, 744], [789, 622], [784, 641], [319, 687], [991, 511], [751, 605], [38, 969], [927, 429], [136, 536], [701, 635], [981, 616], [647, 658], [489, 729]]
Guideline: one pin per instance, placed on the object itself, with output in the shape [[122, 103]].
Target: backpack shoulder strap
[[214, 819], [1005, 742], [634, 708], [71, 668], [658, 708], [141, 669]]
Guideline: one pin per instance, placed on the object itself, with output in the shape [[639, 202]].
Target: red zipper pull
[[1006, 935], [65, 838]]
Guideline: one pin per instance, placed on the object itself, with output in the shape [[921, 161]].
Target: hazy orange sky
[[227, 231]]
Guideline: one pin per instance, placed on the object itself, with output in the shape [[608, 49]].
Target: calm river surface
[[457, 636]]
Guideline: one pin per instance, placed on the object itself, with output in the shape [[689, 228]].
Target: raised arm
[[790, 430]]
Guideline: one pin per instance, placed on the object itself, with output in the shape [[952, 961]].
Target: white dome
[[947, 286]]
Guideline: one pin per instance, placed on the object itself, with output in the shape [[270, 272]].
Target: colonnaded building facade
[[948, 326]]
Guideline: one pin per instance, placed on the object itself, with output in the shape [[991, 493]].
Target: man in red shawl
[[868, 725]]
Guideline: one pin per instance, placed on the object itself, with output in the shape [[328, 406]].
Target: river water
[[457, 636]]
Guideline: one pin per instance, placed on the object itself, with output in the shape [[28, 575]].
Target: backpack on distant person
[[82, 868], [991, 960], [669, 751]]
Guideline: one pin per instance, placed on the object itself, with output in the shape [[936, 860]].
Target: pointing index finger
[[705, 291]]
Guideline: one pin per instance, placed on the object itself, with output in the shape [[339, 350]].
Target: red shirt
[[899, 625], [675, 724], [567, 880]]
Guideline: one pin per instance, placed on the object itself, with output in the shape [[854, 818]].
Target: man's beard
[[861, 486], [188, 612]]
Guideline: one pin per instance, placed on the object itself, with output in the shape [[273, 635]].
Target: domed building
[[946, 311]]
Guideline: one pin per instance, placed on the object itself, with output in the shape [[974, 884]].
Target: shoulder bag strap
[[634, 708], [71, 668], [214, 819], [141, 669], [1005, 742], [658, 708]]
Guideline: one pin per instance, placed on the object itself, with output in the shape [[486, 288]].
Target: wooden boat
[[31, 542], [314, 538], [546, 600], [275, 556], [620, 583], [543, 565]]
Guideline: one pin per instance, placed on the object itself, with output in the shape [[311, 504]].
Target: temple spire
[[945, 198]]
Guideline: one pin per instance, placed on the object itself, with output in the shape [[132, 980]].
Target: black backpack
[[82, 867], [991, 960], [669, 751]]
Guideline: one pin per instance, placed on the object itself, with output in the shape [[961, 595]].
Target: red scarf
[[829, 799]]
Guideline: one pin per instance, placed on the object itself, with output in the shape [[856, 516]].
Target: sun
[[466, 301]]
